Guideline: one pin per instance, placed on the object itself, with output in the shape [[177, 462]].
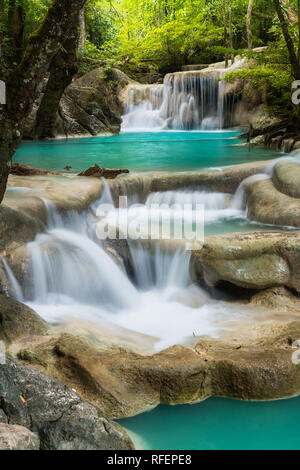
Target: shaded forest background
[[56, 40]]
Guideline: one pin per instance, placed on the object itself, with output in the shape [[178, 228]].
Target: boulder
[[16, 320], [20, 222], [249, 260], [62, 420], [286, 178], [13, 437]]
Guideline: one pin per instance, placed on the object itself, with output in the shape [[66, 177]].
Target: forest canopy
[[156, 35]]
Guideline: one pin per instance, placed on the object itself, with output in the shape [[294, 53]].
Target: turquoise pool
[[169, 151], [218, 424]]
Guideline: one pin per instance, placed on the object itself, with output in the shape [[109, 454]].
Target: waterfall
[[217, 206], [185, 101], [15, 286], [74, 277]]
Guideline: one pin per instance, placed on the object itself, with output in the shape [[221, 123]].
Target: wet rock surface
[[16, 320], [62, 420], [286, 178], [250, 260], [25, 170], [124, 383]]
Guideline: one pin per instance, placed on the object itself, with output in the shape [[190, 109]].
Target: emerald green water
[[218, 424], [170, 151]]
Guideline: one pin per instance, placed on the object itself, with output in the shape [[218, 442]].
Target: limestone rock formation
[[286, 178], [250, 260], [97, 172], [25, 170], [89, 106], [275, 200], [16, 319], [123, 383]]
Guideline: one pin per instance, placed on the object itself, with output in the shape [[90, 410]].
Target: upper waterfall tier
[[186, 101]]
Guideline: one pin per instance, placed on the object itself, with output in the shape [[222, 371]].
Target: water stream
[[73, 276]]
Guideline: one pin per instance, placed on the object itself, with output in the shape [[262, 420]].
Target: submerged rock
[[13, 437], [62, 420], [225, 180], [16, 320], [286, 178], [98, 172]]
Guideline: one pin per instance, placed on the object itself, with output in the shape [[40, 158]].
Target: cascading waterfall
[[74, 277], [185, 101]]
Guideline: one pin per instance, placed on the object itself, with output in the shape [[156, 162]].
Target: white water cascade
[[185, 101], [73, 277]]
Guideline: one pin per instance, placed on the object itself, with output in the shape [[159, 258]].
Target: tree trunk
[[62, 70], [248, 21], [289, 42], [23, 83], [225, 31], [231, 31], [298, 5], [18, 34], [82, 36], [10, 31]]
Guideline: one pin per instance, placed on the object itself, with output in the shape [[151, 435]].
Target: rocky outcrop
[[25, 170], [286, 178], [89, 106], [62, 420], [249, 260], [124, 383], [13, 437], [268, 205], [16, 319], [275, 199], [97, 172], [24, 214]]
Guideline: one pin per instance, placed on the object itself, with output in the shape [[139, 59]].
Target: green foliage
[[169, 33], [275, 83]]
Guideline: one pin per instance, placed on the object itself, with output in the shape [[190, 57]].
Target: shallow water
[[170, 151], [218, 424]]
